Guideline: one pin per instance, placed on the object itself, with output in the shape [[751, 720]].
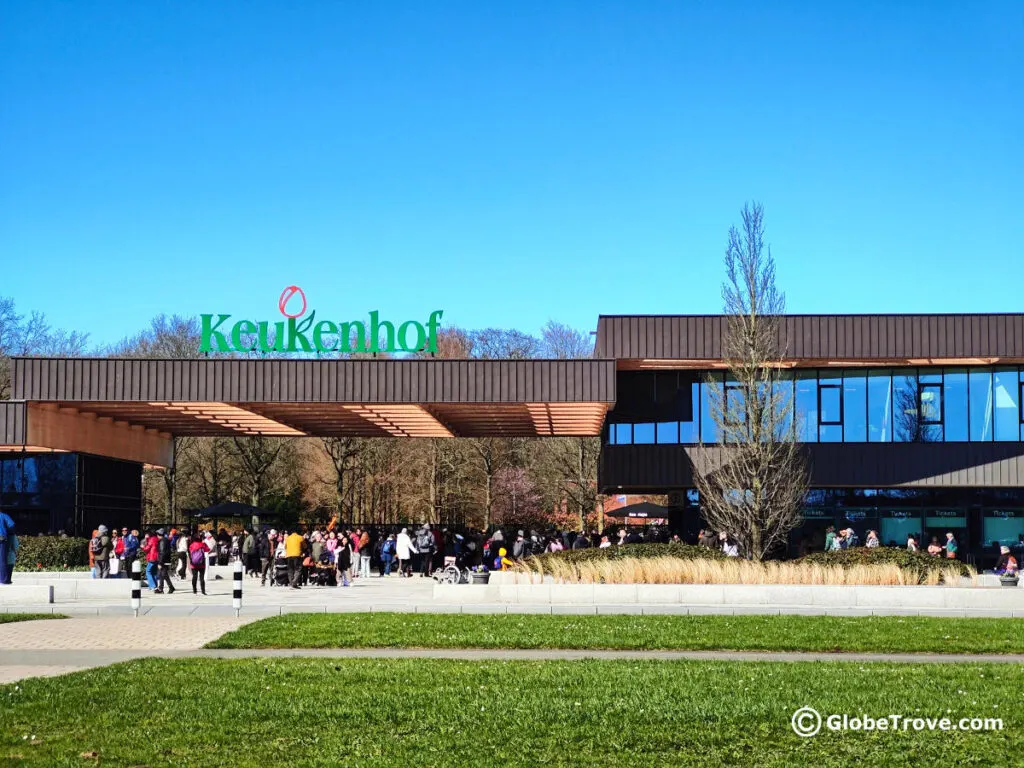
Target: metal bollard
[[136, 587], [236, 597]]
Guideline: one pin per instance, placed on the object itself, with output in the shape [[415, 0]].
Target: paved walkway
[[54, 646], [46, 648]]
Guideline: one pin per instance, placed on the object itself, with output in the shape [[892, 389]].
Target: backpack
[[424, 541], [95, 545], [198, 557], [388, 548]]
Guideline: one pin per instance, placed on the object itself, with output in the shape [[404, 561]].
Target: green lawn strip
[[416, 712], [878, 634], [8, 618]]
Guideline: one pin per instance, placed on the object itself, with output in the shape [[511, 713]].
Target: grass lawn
[[316, 712], [7, 618], [882, 634]]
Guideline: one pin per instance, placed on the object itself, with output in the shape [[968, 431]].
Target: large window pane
[[981, 405], [855, 407], [905, 402], [710, 393], [879, 406], [643, 433], [668, 431], [689, 431], [1006, 389], [782, 397], [807, 406], [621, 434], [954, 394], [930, 413]]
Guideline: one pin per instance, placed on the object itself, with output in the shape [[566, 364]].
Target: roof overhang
[[327, 398]]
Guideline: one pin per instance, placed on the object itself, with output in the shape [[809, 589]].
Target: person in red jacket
[[197, 552], [151, 549]]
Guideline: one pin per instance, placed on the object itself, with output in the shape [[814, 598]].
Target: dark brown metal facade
[[820, 337], [336, 381], [12, 423], [639, 468]]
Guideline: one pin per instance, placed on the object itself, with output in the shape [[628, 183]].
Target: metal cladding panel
[[818, 337], [867, 465], [12, 423], [354, 381]]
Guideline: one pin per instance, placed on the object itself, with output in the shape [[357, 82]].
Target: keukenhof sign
[[300, 333]]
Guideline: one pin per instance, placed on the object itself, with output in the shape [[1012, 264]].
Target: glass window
[[855, 407], [807, 406], [954, 403], [622, 434], [980, 392], [830, 401], [1006, 528], [896, 525], [668, 432], [1006, 390], [643, 434], [879, 406], [905, 402], [710, 399], [782, 401], [931, 411], [689, 431]]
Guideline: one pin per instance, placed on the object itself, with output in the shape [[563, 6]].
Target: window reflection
[[855, 407], [880, 405], [954, 396], [807, 406], [980, 393], [1006, 390]]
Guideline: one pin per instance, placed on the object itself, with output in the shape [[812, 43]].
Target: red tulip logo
[[286, 296]]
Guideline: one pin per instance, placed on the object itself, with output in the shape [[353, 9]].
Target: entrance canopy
[[128, 408]]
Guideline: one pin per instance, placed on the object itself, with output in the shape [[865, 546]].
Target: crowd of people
[[340, 556]]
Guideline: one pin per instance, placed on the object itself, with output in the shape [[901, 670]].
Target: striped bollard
[[236, 596], [136, 587]]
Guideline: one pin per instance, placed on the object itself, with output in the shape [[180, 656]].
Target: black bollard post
[[136, 587], [236, 597]]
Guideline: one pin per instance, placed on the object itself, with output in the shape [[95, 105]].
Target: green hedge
[[614, 552], [51, 553], [918, 561]]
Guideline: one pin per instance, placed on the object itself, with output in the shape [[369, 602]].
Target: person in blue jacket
[[6, 533]]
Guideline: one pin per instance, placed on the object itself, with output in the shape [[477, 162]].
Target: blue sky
[[506, 162]]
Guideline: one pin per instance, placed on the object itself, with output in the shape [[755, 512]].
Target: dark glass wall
[[981, 519], [884, 405], [46, 493]]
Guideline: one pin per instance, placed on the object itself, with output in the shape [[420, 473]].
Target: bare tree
[[563, 342], [344, 454], [256, 456], [753, 484]]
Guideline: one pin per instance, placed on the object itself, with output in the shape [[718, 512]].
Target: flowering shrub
[[51, 553]]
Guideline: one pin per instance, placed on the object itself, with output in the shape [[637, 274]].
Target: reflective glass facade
[[934, 404], [49, 492]]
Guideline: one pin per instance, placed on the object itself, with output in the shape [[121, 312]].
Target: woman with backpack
[[197, 552]]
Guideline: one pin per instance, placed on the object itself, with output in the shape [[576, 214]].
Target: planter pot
[[480, 578], [1009, 581]]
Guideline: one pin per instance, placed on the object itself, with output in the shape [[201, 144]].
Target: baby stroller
[[280, 572]]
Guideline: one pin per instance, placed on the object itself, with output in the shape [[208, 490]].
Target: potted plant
[[480, 575], [1009, 579]]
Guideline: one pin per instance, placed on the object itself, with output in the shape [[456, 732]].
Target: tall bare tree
[[752, 485]]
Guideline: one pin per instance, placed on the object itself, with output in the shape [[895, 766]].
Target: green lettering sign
[[298, 332]]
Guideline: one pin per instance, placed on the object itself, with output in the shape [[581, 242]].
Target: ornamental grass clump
[[672, 570]]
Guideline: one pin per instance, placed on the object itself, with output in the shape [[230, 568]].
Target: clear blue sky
[[508, 162]]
